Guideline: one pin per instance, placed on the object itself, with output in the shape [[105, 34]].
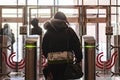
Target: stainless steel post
[[89, 58]]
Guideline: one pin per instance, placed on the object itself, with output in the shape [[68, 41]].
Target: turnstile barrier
[[117, 48], [4, 69], [31, 59], [89, 58]]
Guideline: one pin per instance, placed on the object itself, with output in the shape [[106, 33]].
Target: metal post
[[117, 43], [31, 59], [3, 56], [89, 58], [0, 54]]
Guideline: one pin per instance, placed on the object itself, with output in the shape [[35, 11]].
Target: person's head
[[6, 26], [6, 30], [35, 22], [61, 16]]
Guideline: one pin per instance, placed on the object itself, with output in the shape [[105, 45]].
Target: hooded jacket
[[60, 37]]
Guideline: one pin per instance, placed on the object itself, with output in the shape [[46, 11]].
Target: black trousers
[[54, 71]]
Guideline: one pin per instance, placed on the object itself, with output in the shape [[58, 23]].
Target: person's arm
[[45, 45], [76, 45]]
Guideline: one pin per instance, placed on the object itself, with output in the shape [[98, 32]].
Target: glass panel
[[102, 40], [92, 13], [118, 2], [12, 12], [46, 2], [75, 27], [119, 20], [43, 13], [40, 2], [69, 12], [114, 24], [8, 2], [90, 2], [113, 10], [17, 46], [91, 29], [21, 2], [59, 2], [102, 13], [33, 13], [115, 20], [32, 2], [113, 2], [104, 2], [15, 28], [66, 2], [80, 2], [75, 2]]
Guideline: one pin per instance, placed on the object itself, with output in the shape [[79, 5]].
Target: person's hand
[[80, 63]]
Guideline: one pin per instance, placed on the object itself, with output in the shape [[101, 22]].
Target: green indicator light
[[30, 46], [88, 46]]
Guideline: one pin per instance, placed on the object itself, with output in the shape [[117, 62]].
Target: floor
[[20, 76], [100, 78]]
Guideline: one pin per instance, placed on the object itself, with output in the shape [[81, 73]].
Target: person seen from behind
[[13, 40], [36, 30], [7, 31], [59, 38]]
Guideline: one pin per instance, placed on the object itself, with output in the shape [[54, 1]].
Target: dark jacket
[[36, 31], [61, 38]]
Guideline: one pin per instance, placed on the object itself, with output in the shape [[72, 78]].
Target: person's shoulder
[[70, 29], [1, 31]]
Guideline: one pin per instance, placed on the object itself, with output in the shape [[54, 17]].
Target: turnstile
[[4, 69], [117, 48], [1, 37], [89, 58], [32, 59]]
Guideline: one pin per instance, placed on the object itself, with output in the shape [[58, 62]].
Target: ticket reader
[[89, 57], [32, 58]]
